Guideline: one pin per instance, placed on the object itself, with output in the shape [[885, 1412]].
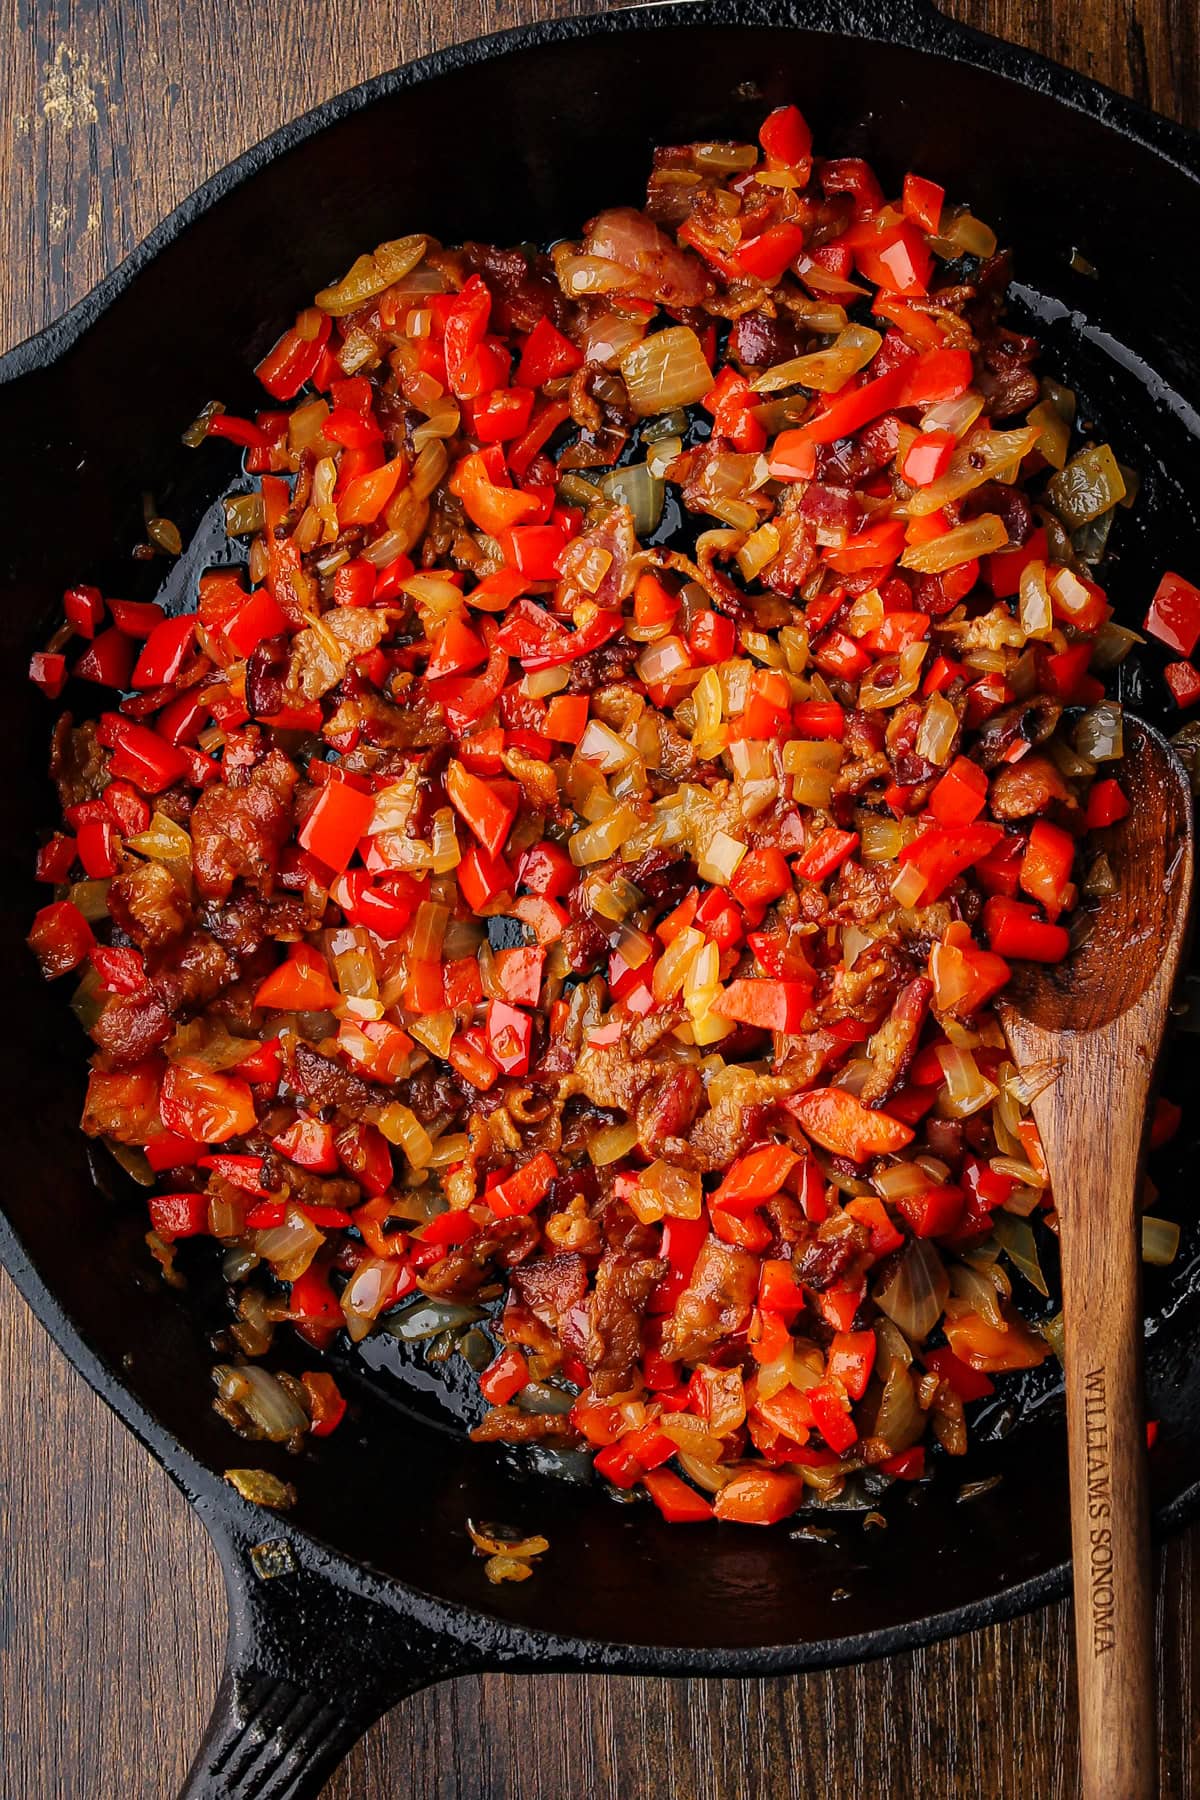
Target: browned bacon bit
[[548, 901]]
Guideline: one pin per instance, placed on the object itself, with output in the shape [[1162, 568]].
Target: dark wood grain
[[111, 1615]]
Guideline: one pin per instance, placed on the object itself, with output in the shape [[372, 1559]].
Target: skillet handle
[[314, 1656]]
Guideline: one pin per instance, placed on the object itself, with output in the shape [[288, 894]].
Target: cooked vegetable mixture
[[548, 901]]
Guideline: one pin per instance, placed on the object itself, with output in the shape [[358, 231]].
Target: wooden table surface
[[111, 1610]]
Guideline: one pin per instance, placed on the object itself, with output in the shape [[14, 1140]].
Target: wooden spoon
[[1101, 1016]]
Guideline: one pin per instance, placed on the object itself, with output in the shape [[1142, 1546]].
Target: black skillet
[[368, 1590]]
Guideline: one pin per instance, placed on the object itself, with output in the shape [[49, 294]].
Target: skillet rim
[[483, 1639]]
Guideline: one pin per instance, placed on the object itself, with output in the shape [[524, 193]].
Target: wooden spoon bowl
[[1100, 1017]]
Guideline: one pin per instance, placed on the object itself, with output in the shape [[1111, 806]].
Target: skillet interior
[[528, 149]]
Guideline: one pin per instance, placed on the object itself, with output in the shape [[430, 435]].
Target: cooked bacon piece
[[1028, 787], [130, 1027], [241, 830], [624, 1284], [148, 904], [894, 1044], [509, 1425], [715, 1304], [470, 1266], [326, 1083]]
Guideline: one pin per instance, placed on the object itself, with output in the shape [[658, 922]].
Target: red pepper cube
[[488, 807], [48, 670], [60, 937], [785, 137], [960, 795], [1174, 615], [164, 652], [1106, 804], [928, 458], [108, 660], [547, 354], [336, 823], [713, 638], [509, 1035], [1184, 682], [482, 878], [97, 848], [1015, 930], [83, 608], [259, 618], [922, 203]]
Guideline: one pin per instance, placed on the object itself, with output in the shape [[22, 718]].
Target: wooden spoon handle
[[1110, 1515]]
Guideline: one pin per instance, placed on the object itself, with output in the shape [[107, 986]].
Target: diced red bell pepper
[[968, 1383], [759, 1497], [761, 876], [768, 1004], [489, 502], [546, 354], [501, 415], [933, 1211], [97, 848], [942, 853], [851, 175], [1165, 1122], [509, 1036], [1016, 930], [897, 258], [928, 458], [960, 795], [164, 652], [83, 608], [908, 1466], [336, 822], [793, 457], [923, 201], [301, 983], [55, 858], [60, 938], [713, 638], [488, 808], [244, 1172], [467, 1059], [519, 974], [376, 905], [141, 755], [456, 649], [851, 1359], [767, 256], [755, 1177], [778, 1290], [1174, 615], [785, 138], [108, 660], [818, 719], [504, 1377], [525, 1189], [312, 1298], [1106, 804], [1046, 867], [567, 717], [854, 407], [260, 617], [1184, 682], [179, 1215], [933, 376], [872, 1213], [839, 655], [964, 976], [840, 1122], [326, 1404], [309, 1144], [827, 852], [678, 1503], [138, 618], [482, 878], [48, 671]]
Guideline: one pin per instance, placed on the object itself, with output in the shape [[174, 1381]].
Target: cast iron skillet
[[368, 1590]]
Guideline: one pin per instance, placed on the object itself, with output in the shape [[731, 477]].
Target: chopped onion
[[662, 661], [1089, 485], [596, 842], [1099, 735], [603, 747], [425, 1319], [1037, 620], [914, 1293], [1016, 1239], [611, 1143], [939, 728], [641, 489], [719, 862], [401, 1126], [823, 370], [290, 1247], [967, 1090], [668, 369], [1055, 431], [1160, 1240], [957, 415], [881, 839], [962, 543], [264, 1400], [433, 1032], [983, 456], [370, 275]]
